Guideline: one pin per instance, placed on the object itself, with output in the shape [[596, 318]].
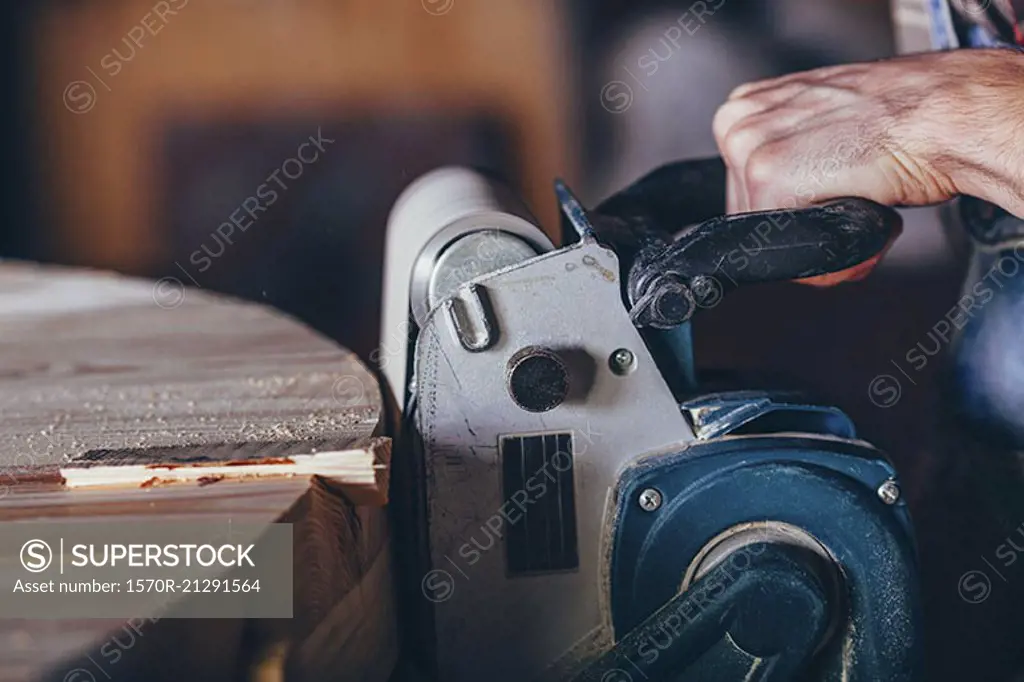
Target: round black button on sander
[[537, 380]]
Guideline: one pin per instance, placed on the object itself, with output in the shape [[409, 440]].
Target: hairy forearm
[[975, 131]]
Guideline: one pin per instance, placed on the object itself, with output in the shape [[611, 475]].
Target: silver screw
[[650, 499], [889, 492], [622, 361]]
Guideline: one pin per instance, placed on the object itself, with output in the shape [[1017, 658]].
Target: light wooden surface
[[101, 378], [91, 363]]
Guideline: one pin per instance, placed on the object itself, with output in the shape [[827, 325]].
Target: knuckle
[[723, 121], [793, 90], [738, 92], [741, 142], [762, 168], [741, 91], [757, 89]]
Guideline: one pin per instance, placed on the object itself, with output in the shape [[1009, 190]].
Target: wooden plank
[[51, 650], [91, 362], [362, 471], [115, 405]]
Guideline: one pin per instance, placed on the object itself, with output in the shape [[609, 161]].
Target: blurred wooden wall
[[99, 128]]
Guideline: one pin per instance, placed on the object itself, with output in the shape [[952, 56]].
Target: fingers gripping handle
[[669, 275]]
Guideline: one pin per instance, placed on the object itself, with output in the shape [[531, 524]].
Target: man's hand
[[909, 131]]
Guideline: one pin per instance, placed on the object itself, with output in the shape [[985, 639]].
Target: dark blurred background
[[134, 130], [138, 127]]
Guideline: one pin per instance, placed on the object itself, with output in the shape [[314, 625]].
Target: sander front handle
[[679, 251]]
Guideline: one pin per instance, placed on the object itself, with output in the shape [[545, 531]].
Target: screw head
[[622, 361], [650, 499], [889, 492]]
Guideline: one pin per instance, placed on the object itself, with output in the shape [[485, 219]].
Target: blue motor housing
[[794, 472]]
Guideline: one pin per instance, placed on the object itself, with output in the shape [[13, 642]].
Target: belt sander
[[590, 510]]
